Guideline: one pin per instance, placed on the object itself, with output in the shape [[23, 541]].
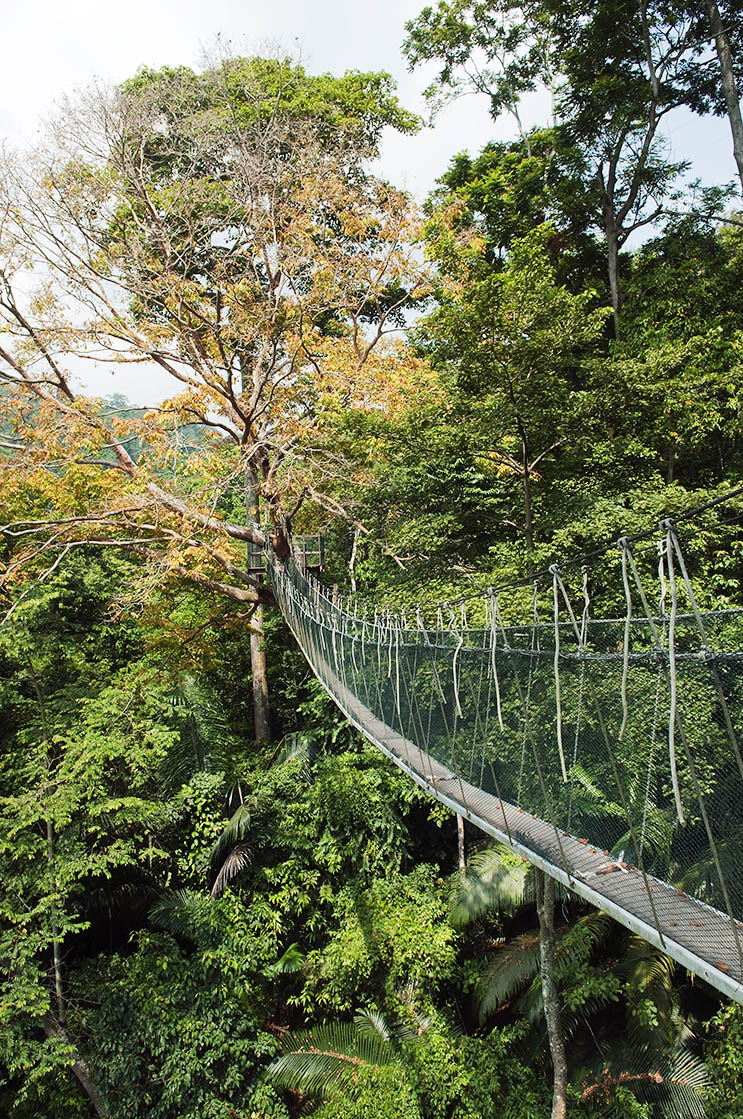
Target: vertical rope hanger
[[623, 544], [586, 607], [534, 650], [398, 639], [662, 659], [668, 525], [492, 603], [549, 807], [558, 698], [672, 674], [455, 659], [582, 642]]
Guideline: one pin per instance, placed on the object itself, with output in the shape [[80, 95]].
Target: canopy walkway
[[604, 751]]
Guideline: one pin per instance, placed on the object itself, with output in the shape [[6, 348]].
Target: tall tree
[[502, 49], [222, 227], [615, 70]]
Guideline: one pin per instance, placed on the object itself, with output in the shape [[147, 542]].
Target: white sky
[[50, 47]]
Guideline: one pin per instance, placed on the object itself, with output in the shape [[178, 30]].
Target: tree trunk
[[52, 1028], [546, 912], [612, 253], [54, 927], [261, 710], [724, 54], [461, 859]]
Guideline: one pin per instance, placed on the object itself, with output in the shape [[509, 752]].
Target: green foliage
[[725, 1064], [476, 1077], [434, 1075], [391, 934], [174, 898], [85, 736], [356, 107], [380, 1093], [497, 881], [505, 192], [169, 1034], [324, 1059]]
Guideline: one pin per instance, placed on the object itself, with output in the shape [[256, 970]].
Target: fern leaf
[[233, 832], [494, 882]]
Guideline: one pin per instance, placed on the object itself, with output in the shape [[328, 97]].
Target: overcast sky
[[50, 47]]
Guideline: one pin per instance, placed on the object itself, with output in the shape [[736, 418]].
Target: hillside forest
[[217, 901]]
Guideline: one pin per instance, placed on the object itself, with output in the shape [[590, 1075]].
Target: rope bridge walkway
[[604, 751]]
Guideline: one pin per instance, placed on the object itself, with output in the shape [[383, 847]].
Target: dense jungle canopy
[[216, 900]]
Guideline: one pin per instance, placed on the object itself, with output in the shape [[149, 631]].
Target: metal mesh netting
[[603, 750]]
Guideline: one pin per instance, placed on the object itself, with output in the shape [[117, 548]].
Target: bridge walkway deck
[[699, 937]]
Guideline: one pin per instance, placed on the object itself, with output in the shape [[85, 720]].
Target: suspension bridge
[[604, 751]]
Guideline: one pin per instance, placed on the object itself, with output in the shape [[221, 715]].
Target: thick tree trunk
[[550, 995], [261, 710], [724, 54], [52, 1028], [461, 854]]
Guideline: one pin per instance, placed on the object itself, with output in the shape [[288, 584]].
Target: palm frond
[[232, 833], [174, 910], [671, 1083], [494, 882], [508, 972], [649, 977], [514, 970], [588, 795], [372, 1023], [578, 943], [112, 900], [419, 1023], [236, 860], [319, 1060], [289, 962], [207, 739], [296, 747]]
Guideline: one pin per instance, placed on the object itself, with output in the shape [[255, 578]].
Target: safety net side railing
[[605, 751]]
